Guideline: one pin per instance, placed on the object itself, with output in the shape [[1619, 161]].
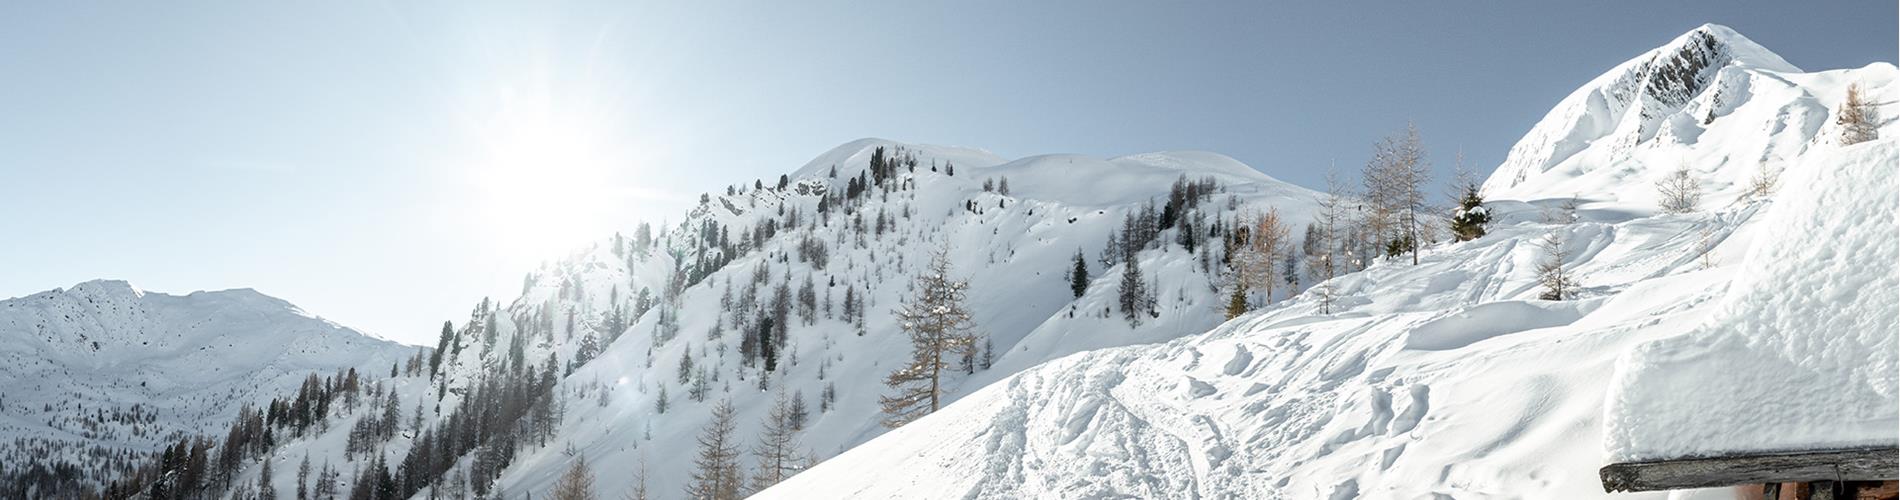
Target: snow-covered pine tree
[[938, 323], [716, 473], [1468, 221]]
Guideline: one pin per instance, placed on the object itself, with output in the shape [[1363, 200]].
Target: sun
[[546, 177]]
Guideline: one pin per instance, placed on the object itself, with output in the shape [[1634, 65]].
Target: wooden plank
[[1865, 464]]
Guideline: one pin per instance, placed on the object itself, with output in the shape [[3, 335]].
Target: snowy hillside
[[841, 240], [107, 370], [1451, 378]]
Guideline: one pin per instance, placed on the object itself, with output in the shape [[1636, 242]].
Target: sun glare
[[545, 176]]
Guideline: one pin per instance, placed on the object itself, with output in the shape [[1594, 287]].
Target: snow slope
[[1014, 249], [1450, 379], [104, 366], [1801, 352]]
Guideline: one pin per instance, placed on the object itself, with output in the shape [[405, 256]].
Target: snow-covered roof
[[1800, 355]]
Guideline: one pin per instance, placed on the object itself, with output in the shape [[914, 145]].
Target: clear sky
[[385, 165]]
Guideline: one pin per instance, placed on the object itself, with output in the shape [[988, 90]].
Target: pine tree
[[303, 478], [1079, 276], [441, 346], [686, 365], [327, 483], [265, 489], [659, 401], [938, 323], [798, 411], [777, 451], [577, 483], [1237, 301], [1133, 293], [1468, 221], [716, 469], [1858, 118]]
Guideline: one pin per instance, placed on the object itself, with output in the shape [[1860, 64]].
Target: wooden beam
[[1864, 464]]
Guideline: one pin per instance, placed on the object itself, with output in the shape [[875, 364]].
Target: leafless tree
[[1680, 192], [1859, 120]]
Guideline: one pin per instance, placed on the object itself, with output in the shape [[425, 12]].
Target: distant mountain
[[1453, 378], [104, 369]]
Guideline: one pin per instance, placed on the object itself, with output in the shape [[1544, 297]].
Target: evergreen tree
[[303, 478], [1133, 293], [938, 323], [265, 489], [441, 346], [1468, 221], [686, 365], [716, 473], [1079, 275], [1237, 301], [659, 401]]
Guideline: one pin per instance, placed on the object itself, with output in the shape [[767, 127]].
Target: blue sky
[[386, 165]]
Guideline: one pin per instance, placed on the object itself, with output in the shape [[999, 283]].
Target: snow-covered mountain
[[1448, 379], [104, 369], [618, 319], [1711, 100]]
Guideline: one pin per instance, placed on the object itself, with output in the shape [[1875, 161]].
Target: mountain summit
[[1634, 122]]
